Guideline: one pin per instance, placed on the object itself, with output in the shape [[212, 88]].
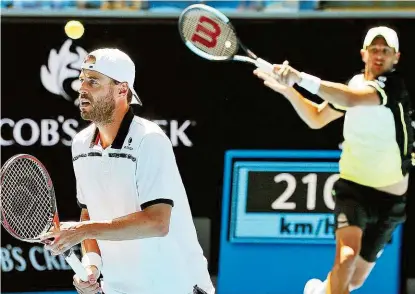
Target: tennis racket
[[28, 204], [208, 33]]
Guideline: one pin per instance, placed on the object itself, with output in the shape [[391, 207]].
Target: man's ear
[[363, 55], [397, 56], [123, 90]]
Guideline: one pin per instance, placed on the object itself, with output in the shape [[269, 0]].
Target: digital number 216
[[282, 202]]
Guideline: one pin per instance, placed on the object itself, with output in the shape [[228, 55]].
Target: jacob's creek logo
[[51, 132], [17, 259], [46, 132], [63, 67]]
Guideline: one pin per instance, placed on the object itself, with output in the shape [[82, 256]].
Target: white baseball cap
[[390, 36], [114, 64]]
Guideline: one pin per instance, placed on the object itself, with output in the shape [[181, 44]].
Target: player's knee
[[349, 244], [348, 255]]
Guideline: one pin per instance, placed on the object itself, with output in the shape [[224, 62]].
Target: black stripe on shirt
[[157, 201], [81, 205]]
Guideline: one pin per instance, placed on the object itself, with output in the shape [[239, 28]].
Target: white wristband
[[310, 83], [92, 258]]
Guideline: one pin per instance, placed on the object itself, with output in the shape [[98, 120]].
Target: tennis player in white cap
[[136, 225], [370, 195]]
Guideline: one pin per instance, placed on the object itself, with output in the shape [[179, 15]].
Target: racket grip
[[264, 65], [76, 265]]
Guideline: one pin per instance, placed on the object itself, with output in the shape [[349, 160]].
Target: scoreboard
[[277, 226], [277, 202]]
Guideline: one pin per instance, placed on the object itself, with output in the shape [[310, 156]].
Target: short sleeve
[[390, 88], [157, 176], [337, 107], [79, 197]]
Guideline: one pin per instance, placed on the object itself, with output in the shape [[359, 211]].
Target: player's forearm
[[306, 109], [88, 245], [137, 225]]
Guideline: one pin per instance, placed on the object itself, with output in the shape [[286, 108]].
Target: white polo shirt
[[139, 170]]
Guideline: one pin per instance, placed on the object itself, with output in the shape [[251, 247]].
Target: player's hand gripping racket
[[209, 34], [28, 204]]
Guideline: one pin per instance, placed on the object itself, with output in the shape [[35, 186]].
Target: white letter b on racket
[[207, 32]]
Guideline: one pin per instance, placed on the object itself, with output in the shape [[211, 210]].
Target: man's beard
[[101, 109]]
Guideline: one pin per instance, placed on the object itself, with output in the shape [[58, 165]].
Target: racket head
[[28, 204], [208, 33]]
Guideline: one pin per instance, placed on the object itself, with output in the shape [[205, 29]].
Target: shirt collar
[[122, 132]]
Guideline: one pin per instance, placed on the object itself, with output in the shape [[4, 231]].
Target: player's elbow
[[161, 227], [159, 219], [350, 102]]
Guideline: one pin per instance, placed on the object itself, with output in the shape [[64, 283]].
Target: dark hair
[[129, 94]]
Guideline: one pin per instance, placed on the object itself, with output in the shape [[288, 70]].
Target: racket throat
[[250, 53]]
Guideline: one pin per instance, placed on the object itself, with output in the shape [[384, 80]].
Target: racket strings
[[26, 203], [226, 42], [26, 200]]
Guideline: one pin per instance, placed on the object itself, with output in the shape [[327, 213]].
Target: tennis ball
[[74, 29]]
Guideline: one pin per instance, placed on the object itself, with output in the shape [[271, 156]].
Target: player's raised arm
[[335, 93], [314, 115]]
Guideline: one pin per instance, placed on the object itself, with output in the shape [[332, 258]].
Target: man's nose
[[82, 88]]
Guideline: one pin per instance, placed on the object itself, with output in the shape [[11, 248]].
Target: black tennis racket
[[28, 204], [208, 33]]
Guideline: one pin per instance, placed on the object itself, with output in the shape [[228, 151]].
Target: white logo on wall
[[63, 65]]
